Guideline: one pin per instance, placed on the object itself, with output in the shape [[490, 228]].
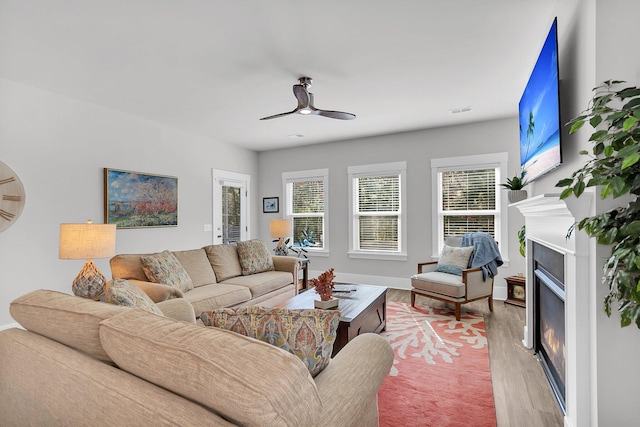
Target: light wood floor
[[521, 392]]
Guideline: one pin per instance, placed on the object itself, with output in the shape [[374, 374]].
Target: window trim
[[494, 160], [378, 170], [309, 175]]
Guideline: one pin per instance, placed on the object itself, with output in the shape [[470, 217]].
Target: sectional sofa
[[80, 362]]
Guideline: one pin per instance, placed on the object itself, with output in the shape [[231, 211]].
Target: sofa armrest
[[156, 291], [178, 309], [287, 263], [427, 267], [350, 383], [477, 286]]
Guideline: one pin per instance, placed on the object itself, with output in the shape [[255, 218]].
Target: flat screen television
[[539, 113]]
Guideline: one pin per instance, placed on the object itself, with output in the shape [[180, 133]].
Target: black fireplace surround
[[548, 317]]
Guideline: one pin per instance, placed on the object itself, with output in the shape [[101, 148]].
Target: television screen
[[539, 113]]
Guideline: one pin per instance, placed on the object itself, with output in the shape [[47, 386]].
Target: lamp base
[[89, 283], [281, 248]]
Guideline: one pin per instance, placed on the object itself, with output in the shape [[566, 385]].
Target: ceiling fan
[[305, 104]]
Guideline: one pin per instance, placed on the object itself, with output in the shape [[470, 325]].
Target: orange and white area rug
[[441, 374]]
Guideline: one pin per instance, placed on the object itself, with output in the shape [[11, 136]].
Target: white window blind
[[378, 209], [306, 202], [469, 201], [378, 214]]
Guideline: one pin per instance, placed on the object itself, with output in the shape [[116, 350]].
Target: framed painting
[[270, 205], [138, 200]]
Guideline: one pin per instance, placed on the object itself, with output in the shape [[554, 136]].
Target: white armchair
[[470, 286]]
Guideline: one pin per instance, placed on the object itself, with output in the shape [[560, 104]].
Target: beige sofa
[[218, 279], [87, 363]]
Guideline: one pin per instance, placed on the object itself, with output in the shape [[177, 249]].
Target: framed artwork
[[138, 200], [270, 205]]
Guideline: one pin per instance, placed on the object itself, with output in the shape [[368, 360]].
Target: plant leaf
[[629, 123], [630, 161], [577, 125]]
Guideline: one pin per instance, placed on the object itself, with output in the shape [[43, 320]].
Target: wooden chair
[[470, 286]]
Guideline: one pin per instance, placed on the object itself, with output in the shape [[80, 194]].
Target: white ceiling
[[214, 67]]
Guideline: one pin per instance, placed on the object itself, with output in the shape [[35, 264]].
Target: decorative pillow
[[254, 257], [308, 334], [122, 292], [224, 261], [454, 260], [165, 268]]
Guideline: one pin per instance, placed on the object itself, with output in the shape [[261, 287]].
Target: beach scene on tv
[[539, 115]]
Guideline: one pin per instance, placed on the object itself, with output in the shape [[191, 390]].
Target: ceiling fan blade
[[340, 115], [302, 95], [275, 116]]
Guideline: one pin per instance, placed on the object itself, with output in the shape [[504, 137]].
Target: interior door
[[230, 207]]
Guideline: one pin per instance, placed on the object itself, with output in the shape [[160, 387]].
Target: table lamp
[[281, 228], [87, 241]]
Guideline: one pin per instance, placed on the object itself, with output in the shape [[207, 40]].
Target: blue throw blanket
[[486, 254]]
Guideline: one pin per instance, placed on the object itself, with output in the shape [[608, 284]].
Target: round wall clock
[[12, 197]]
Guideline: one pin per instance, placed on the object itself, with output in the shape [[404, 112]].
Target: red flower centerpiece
[[324, 287]]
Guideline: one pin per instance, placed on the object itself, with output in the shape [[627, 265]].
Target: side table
[[304, 266], [516, 291]]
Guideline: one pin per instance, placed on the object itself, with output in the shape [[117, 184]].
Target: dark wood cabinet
[[516, 291]]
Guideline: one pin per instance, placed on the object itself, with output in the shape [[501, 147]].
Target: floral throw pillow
[[165, 268], [122, 292], [453, 260], [254, 257], [308, 334]]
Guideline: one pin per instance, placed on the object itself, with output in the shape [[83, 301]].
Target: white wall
[[59, 147], [617, 349], [417, 149]]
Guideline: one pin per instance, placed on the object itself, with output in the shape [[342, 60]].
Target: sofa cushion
[[217, 295], [67, 319], [254, 257], [308, 334], [244, 380], [128, 266], [263, 283], [440, 283], [122, 292], [453, 260], [224, 260], [197, 264], [166, 269]]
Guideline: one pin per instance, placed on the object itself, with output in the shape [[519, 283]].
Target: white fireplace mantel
[[548, 220]]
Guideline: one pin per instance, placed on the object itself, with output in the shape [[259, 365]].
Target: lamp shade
[[281, 227], [85, 241]]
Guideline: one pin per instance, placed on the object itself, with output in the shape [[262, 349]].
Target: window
[[377, 199], [468, 198], [306, 201], [230, 206]]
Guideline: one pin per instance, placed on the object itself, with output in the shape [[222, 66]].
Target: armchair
[[450, 287], [471, 285]]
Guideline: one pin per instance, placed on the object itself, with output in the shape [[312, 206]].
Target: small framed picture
[[270, 205]]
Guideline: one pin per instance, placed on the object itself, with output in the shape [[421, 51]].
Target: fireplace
[[569, 264], [549, 318]]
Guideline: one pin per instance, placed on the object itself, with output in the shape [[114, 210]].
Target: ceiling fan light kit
[[305, 104]]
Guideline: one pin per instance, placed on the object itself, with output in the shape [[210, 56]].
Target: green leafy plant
[[522, 238], [516, 183], [614, 166]]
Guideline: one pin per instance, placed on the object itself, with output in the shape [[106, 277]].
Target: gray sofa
[[217, 277], [87, 363]]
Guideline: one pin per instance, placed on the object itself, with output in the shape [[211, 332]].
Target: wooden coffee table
[[362, 310]]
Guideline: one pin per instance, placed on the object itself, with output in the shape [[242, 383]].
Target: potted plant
[[613, 166], [515, 186]]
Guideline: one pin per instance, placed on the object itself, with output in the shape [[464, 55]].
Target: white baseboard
[[499, 292]]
